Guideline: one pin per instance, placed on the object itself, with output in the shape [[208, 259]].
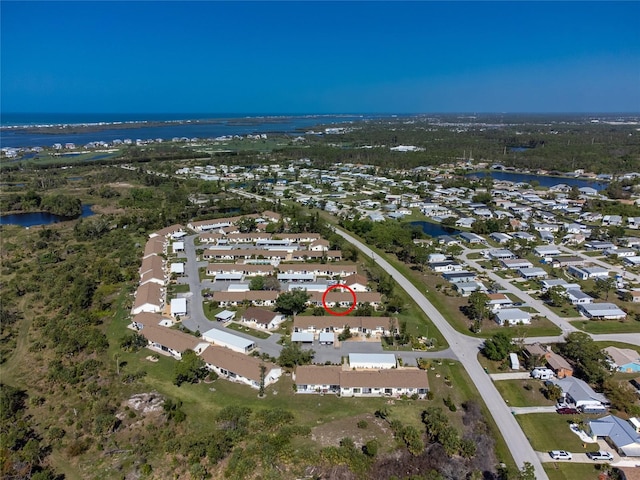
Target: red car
[[567, 411]]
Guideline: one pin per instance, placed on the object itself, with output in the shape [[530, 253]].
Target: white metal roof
[[222, 337], [380, 358]]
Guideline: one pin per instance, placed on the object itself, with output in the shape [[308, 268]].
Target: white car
[[600, 455], [560, 455]]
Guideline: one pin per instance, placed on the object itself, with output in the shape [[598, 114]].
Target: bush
[[363, 424], [78, 447], [449, 403], [370, 449]]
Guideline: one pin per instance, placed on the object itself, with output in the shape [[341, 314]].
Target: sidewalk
[[510, 376]]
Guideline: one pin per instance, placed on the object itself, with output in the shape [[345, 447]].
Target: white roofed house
[[177, 268], [516, 263], [472, 238], [618, 432], [546, 250], [612, 220], [446, 266], [531, 273], [633, 222], [578, 392], [512, 316], [558, 282], [601, 311], [467, 288], [621, 252], [497, 301], [500, 254], [585, 273], [222, 338], [178, 307], [578, 297], [372, 360]]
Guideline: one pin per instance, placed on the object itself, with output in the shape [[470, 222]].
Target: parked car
[[567, 410], [560, 455], [594, 410], [600, 455]]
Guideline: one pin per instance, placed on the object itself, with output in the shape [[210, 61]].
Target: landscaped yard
[[210, 311], [567, 311], [516, 395], [608, 326], [550, 431], [179, 288], [572, 471], [249, 331]]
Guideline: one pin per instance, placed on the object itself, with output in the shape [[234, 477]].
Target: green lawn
[[540, 327], [249, 331], [550, 431], [179, 288], [516, 395], [608, 326], [209, 311], [566, 311], [572, 471]]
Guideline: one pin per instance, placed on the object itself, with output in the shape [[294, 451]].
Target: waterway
[[20, 135], [32, 219], [543, 180], [435, 229]]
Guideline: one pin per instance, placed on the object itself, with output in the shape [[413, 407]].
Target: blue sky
[[319, 57]]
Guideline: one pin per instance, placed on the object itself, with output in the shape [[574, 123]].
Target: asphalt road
[[466, 350]]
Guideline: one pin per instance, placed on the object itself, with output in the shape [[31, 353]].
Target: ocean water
[[14, 130]]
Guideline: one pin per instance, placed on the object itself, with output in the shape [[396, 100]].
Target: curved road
[[466, 349]]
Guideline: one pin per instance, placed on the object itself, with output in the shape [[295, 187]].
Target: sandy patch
[[331, 433]]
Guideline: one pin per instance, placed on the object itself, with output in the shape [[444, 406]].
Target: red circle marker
[[338, 314]]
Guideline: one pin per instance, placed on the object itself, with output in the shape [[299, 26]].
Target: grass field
[[516, 395], [608, 326], [572, 471], [550, 431], [566, 311]]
